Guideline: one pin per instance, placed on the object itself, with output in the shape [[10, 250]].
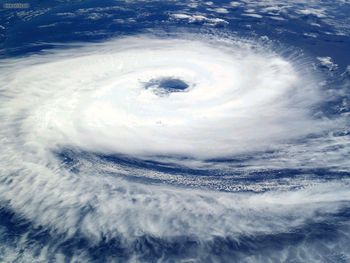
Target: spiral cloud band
[[76, 123], [229, 106]]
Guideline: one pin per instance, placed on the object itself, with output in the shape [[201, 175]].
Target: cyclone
[[119, 101], [141, 143]]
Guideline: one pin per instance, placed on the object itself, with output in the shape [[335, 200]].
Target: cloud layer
[[241, 99]]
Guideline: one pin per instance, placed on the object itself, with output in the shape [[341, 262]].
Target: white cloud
[[221, 10], [242, 98], [198, 18], [327, 63]]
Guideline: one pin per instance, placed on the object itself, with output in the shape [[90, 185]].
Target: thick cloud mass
[[237, 100], [112, 99]]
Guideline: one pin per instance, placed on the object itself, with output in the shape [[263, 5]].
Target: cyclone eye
[[166, 86]]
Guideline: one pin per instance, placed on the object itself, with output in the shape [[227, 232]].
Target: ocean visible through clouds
[[175, 131]]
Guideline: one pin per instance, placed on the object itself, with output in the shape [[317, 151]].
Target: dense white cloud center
[[238, 99]]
